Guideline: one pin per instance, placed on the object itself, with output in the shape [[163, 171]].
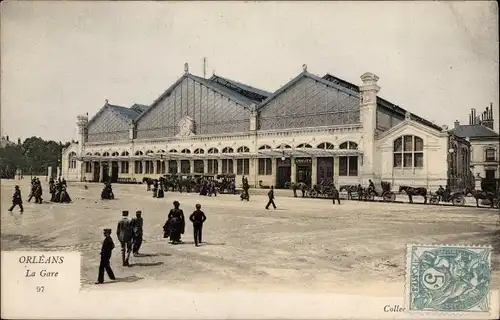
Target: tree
[[33, 156]]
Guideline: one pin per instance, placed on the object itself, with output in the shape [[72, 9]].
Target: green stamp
[[448, 278]]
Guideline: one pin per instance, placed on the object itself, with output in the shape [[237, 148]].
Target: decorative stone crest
[[408, 115], [186, 127]]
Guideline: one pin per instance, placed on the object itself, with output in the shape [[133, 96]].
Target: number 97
[[40, 288]]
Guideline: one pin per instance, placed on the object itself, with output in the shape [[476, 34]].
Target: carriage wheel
[[389, 196], [459, 201], [434, 200], [312, 193]]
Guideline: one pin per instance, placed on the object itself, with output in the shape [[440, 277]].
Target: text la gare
[[43, 273]]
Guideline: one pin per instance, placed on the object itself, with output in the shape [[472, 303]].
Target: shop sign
[[303, 161]]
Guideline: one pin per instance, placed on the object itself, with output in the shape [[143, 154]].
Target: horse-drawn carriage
[[226, 183], [457, 198], [324, 190], [385, 192]]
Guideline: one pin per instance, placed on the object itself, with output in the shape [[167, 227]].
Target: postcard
[[249, 160]]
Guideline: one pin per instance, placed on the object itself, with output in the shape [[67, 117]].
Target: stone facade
[[312, 129]]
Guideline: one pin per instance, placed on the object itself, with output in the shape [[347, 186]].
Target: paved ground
[[304, 245]]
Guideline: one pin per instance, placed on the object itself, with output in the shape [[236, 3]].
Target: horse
[[483, 195], [349, 189], [148, 181], [411, 191]]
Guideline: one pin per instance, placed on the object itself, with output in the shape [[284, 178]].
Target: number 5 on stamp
[[448, 279]]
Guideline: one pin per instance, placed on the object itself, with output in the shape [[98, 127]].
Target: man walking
[[336, 195], [124, 234], [107, 249], [17, 200], [197, 218], [136, 226], [270, 194]]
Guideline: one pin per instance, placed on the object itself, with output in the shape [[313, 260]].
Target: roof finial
[[106, 101], [304, 67], [213, 72], [186, 67]]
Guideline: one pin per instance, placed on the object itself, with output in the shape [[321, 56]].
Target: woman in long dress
[[175, 223]]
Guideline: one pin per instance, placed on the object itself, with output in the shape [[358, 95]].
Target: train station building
[[310, 130]]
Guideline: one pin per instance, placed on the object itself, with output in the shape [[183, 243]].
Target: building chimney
[[7, 138], [19, 141], [457, 123], [473, 114]]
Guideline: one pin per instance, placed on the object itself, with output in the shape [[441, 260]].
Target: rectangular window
[[353, 165], [398, 160], [88, 167], [419, 160], [172, 166], [243, 166], [160, 166], [185, 166], [138, 167], [213, 166], [490, 155], [198, 166], [407, 160], [408, 143], [265, 167], [124, 166], [348, 166], [227, 166], [343, 166]]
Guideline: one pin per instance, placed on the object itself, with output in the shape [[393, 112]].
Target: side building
[[310, 130], [484, 147]]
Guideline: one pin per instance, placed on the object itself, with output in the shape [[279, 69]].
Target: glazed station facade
[[310, 130]]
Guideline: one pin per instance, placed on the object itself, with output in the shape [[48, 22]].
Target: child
[[197, 218]]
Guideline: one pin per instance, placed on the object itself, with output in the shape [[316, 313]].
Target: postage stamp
[[447, 278]]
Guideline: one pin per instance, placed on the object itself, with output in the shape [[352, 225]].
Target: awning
[[308, 152]]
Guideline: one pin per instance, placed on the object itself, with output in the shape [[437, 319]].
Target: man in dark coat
[[197, 218], [137, 232], [17, 200], [336, 195], [270, 194], [38, 192], [106, 250], [124, 234]]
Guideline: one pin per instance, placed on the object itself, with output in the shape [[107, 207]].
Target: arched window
[[185, 151], [125, 154], [349, 145], [284, 146], [199, 151], [304, 145], [97, 154], [89, 153], [105, 154], [139, 153], [115, 154], [72, 160], [408, 152], [160, 151], [172, 151], [325, 146], [265, 147], [213, 150], [243, 149], [490, 154], [149, 152], [227, 150]]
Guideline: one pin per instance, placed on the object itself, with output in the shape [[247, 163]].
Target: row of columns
[[314, 168]]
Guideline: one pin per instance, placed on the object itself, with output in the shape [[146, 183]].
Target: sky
[[61, 59]]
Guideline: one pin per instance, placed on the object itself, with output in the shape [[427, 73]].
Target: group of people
[[244, 194], [36, 191], [208, 188], [59, 191], [130, 235]]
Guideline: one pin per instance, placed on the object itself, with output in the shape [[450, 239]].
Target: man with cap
[[107, 249], [136, 226], [17, 200], [124, 234], [197, 218]]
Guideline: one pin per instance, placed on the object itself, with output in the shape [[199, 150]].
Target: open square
[[306, 244]]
